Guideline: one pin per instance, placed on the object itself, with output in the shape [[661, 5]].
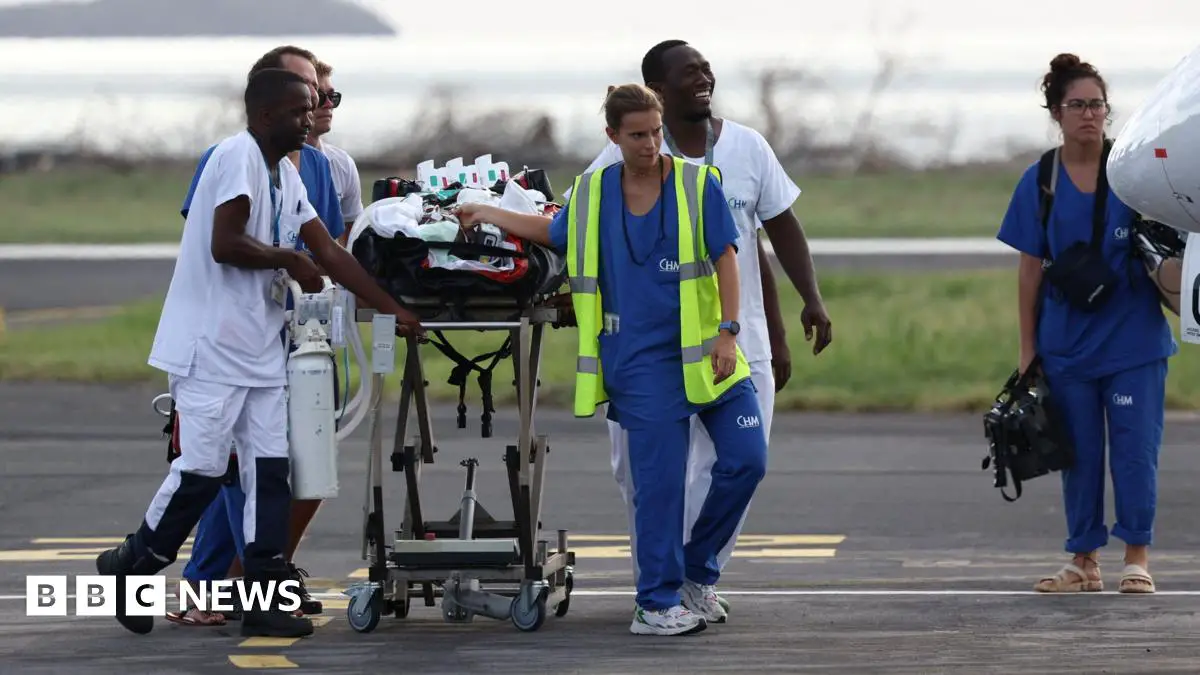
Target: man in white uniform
[[341, 164], [760, 196], [219, 342]]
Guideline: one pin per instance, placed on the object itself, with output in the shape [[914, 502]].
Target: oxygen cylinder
[[312, 426]]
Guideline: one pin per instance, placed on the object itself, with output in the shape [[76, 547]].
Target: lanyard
[[709, 142], [276, 212]]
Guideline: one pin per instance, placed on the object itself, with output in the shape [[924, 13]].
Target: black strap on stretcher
[[458, 377]]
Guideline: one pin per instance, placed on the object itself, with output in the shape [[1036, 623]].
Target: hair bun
[[612, 88], [1065, 62]]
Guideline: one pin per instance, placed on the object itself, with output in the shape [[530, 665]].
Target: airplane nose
[[1151, 166]]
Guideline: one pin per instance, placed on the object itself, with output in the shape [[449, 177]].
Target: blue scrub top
[[318, 181], [639, 282], [1131, 329]]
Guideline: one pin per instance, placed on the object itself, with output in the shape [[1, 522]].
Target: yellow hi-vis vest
[[699, 297]]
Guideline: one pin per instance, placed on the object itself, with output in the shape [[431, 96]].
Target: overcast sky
[[1012, 35]]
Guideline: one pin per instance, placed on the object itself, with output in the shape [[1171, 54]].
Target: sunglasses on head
[[334, 97]]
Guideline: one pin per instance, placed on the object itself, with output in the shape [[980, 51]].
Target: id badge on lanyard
[[278, 288]]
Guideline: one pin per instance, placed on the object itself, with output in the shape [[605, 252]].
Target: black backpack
[[1163, 240]]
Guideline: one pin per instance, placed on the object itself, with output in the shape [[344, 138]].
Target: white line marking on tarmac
[[822, 246]]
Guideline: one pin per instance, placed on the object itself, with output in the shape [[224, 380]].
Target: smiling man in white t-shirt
[[219, 341], [760, 196]]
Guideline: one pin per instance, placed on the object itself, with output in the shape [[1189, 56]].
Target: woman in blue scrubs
[[642, 359], [1107, 366]]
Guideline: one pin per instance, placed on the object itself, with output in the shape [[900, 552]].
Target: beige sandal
[[1061, 583], [1135, 579]]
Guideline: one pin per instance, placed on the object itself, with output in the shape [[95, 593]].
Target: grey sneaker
[[703, 600], [674, 621]]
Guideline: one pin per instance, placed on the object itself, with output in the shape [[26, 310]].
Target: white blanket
[[407, 215]]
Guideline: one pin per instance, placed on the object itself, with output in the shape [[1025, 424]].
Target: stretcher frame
[[471, 551]]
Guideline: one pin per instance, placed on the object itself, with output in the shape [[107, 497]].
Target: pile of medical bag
[[410, 241]]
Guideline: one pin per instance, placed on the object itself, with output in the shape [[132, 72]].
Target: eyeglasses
[[1077, 106], [332, 96]]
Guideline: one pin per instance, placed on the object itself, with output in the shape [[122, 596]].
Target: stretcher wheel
[[402, 605], [364, 610], [561, 610], [529, 617]]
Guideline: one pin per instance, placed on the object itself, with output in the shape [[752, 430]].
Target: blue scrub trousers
[[658, 456], [219, 536], [1133, 402]]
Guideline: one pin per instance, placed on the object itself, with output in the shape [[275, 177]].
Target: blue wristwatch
[[731, 326]]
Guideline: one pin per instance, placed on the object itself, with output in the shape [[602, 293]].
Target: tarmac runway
[[875, 544]]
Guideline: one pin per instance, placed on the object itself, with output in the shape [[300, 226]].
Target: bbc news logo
[[96, 595]]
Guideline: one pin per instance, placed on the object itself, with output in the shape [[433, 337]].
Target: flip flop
[[1135, 579], [195, 617]]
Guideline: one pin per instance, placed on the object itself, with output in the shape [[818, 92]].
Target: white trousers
[[212, 416], [702, 455]]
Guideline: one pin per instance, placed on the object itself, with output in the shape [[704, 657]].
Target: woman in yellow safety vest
[[656, 304]]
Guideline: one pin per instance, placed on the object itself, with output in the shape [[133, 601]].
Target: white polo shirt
[[220, 323], [345, 180], [757, 189]]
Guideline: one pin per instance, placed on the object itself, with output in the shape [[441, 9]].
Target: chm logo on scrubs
[[668, 265], [747, 421]]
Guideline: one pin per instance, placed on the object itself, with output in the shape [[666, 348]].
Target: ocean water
[[930, 119], [965, 90]]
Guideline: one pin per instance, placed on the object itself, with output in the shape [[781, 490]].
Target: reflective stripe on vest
[[583, 278], [700, 301], [699, 294]]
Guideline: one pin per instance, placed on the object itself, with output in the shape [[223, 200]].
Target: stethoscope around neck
[[662, 217]]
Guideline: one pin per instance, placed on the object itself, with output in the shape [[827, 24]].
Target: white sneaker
[[703, 600], [674, 621]]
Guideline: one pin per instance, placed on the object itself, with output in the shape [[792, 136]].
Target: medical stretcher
[[476, 563]]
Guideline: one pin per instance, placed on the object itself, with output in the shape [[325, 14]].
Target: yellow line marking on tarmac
[[276, 660], [596, 537], [776, 546], [335, 603], [268, 642], [64, 555], [261, 661]]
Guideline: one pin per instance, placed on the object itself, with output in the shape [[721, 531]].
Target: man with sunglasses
[[345, 171], [348, 190], [218, 547]]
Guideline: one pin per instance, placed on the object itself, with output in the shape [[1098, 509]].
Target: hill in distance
[[184, 18]]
